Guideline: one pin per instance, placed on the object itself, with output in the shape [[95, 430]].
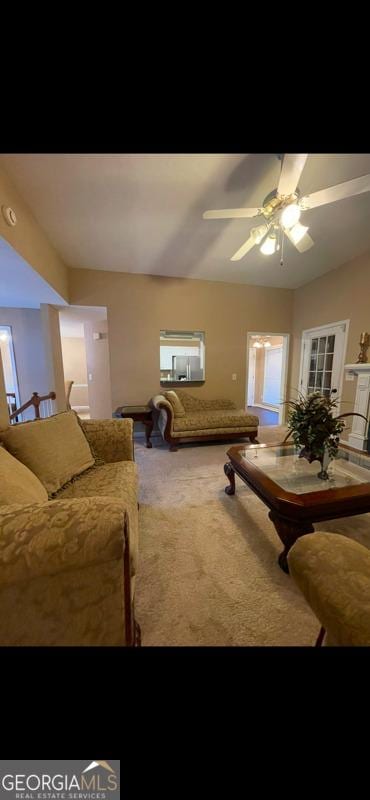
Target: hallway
[[266, 417]]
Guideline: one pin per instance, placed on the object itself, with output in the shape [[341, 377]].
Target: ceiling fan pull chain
[[282, 248]]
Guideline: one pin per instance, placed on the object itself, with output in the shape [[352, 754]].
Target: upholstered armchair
[[333, 573]]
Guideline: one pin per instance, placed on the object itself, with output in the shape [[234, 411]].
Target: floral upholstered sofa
[[184, 418], [68, 532]]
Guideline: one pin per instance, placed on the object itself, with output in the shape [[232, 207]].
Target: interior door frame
[[318, 328], [252, 351], [269, 350], [9, 330], [281, 410]]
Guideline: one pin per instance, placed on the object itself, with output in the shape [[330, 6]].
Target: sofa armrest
[[159, 401], [66, 574], [110, 439], [165, 415], [42, 539]]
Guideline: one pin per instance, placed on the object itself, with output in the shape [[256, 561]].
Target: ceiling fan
[[282, 208]]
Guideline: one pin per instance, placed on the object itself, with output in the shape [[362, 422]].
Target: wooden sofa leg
[[252, 438], [173, 448], [137, 634], [320, 638]]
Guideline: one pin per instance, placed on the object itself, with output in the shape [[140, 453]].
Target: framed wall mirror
[[182, 357]]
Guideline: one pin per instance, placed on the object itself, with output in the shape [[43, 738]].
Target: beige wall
[[74, 359], [29, 240], [4, 413], [97, 357], [29, 350], [7, 366], [75, 369], [54, 359], [343, 293], [139, 306]]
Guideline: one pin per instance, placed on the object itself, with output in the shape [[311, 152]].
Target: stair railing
[[35, 401]]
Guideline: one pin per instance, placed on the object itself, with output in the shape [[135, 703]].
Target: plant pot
[[324, 461]]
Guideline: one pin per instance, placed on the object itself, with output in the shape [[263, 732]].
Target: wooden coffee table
[[290, 488]]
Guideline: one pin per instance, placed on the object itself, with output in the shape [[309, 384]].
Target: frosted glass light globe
[[290, 215], [269, 246]]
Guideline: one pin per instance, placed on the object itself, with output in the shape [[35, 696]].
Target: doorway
[[9, 368], [267, 357], [322, 358], [85, 352]]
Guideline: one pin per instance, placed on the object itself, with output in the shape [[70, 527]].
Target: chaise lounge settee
[[184, 418], [68, 532]]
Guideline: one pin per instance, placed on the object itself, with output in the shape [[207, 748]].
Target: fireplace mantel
[[359, 436], [358, 369]]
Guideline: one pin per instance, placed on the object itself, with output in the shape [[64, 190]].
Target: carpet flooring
[[208, 572]]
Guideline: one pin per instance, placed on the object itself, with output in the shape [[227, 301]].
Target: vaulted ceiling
[[143, 213]]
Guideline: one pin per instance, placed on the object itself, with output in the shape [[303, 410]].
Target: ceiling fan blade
[[256, 236], [338, 192], [232, 213], [303, 244], [291, 170], [244, 249]]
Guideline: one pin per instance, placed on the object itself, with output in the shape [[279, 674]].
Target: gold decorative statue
[[364, 346]]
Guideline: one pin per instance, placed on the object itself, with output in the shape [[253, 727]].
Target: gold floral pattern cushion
[[333, 573], [194, 404], [118, 481], [55, 449], [17, 483], [111, 439], [215, 419], [178, 408]]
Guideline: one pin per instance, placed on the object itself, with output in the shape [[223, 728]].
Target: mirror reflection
[[182, 356]]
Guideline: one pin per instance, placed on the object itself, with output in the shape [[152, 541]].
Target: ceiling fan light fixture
[[257, 344], [267, 344], [269, 245], [290, 216], [297, 232], [259, 233]]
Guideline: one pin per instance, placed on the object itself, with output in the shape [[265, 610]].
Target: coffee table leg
[[229, 472], [148, 430], [288, 532]]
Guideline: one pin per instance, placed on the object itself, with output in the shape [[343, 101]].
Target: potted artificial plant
[[315, 429]]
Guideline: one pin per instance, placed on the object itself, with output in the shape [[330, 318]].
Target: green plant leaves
[[313, 426]]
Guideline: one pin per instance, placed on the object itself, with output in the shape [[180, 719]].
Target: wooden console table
[[138, 414]]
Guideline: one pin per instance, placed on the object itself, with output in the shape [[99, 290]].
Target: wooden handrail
[[34, 401]]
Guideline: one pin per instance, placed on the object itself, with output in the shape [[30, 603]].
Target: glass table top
[[283, 465]]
